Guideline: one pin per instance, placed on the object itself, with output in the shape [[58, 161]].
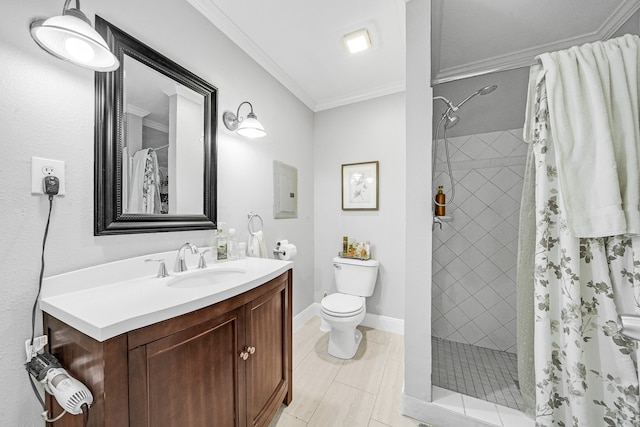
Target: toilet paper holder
[[279, 247]]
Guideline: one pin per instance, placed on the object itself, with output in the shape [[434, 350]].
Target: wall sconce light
[[248, 126], [71, 37]]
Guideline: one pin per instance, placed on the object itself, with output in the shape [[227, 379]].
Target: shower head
[[483, 91], [487, 89], [451, 121]]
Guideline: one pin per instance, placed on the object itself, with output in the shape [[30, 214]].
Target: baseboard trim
[[376, 321], [437, 415], [304, 316]]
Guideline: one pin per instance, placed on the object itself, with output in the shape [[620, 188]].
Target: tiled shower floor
[[476, 371]]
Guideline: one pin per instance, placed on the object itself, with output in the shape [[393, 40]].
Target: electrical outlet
[[38, 344], [46, 167]]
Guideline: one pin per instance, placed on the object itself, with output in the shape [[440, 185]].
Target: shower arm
[[466, 99], [449, 103]]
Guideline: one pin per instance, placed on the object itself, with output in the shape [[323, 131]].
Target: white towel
[[593, 114], [256, 246]]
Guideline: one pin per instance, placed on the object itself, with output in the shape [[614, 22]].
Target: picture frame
[[360, 186]]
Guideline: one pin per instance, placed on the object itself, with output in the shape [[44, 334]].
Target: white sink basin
[[197, 279], [110, 299]]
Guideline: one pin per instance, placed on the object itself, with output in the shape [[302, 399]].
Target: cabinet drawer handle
[[251, 350], [244, 355]]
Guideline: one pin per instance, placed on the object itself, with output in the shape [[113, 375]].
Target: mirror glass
[[155, 143], [163, 152]]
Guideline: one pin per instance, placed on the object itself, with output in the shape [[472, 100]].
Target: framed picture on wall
[[360, 186]]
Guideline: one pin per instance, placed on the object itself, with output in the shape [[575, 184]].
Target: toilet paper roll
[[288, 252], [281, 243]]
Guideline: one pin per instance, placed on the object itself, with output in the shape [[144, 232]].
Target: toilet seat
[[342, 305]]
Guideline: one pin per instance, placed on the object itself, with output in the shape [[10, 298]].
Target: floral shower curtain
[[585, 370]]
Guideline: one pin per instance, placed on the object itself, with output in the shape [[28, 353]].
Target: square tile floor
[[475, 371]]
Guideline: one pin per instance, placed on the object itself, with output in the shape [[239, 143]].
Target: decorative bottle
[[221, 245], [440, 200]]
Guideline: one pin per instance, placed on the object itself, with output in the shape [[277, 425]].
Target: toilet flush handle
[[337, 266]]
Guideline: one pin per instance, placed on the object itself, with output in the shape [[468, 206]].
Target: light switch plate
[[42, 167]]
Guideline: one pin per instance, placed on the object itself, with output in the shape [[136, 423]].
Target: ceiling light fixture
[[357, 41], [248, 126], [72, 37]]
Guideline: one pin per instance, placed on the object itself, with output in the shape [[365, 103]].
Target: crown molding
[[155, 125], [526, 57], [216, 16], [137, 111], [383, 90]]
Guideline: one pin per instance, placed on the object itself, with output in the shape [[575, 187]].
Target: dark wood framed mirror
[[155, 143]]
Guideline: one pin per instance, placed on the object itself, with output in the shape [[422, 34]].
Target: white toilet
[[344, 310]]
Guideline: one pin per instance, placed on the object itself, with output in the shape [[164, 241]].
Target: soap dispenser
[[221, 243]]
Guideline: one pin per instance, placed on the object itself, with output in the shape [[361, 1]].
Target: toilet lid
[[342, 304]]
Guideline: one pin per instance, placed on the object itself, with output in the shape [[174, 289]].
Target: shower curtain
[[585, 372], [144, 195]]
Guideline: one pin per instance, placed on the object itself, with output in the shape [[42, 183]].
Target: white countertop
[[111, 299]]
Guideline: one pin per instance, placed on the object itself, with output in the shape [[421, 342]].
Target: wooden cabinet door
[[267, 368], [191, 378]]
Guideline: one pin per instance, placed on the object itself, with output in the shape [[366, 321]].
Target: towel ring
[[251, 217]]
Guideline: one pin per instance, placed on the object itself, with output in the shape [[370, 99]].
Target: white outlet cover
[[40, 168]]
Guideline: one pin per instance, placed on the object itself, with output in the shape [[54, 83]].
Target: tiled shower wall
[[474, 255]]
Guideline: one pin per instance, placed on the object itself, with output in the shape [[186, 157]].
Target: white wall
[[47, 110], [362, 132], [419, 109]]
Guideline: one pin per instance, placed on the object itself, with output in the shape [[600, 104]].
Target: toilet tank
[[354, 276]]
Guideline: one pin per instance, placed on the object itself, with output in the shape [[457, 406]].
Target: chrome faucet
[[181, 265]]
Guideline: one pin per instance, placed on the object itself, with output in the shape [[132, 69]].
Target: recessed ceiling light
[[357, 41]]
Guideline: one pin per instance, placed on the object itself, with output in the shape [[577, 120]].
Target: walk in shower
[[474, 259]]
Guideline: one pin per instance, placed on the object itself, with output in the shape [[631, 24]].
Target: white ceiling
[[299, 42]]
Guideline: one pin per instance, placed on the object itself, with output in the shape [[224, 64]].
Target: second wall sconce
[[248, 126]]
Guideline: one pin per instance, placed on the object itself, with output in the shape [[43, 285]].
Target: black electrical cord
[[35, 303], [85, 414]]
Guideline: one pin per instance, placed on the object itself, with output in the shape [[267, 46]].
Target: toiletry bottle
[[440, 199], [232, 245], [222, 245], [358, 251], [345, 245]]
